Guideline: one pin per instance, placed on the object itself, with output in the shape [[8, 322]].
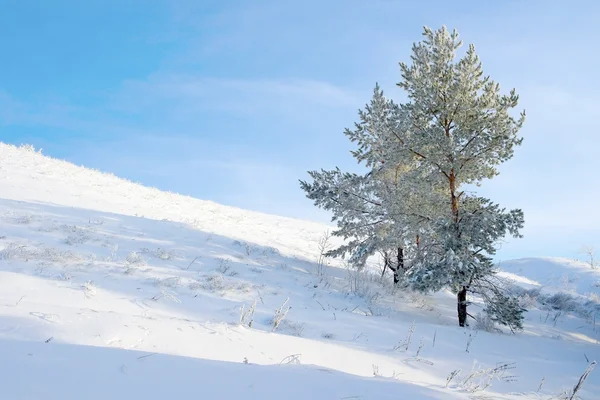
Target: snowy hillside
[[112, 290]]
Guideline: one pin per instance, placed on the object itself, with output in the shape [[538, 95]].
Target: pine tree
[[455, 129]]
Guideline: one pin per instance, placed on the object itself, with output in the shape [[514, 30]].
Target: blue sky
[[233, 101]]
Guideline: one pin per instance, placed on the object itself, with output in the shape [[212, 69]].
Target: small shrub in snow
[[48, 228], [89, 289], [159, 253], [98, 221], [27, 253], [327, 335], [280, 314], [481, 378], [167, 295], [21, 219], [527, 302], [29, 148], [112, 255], [590, 255], [417, 357], [322, 259], [134, 258], [485, 323], [243, 287], [224, 265], [215, 282], [376, 370], [528, 298], [355, 283], [291, 328], [68, 228], [248, 248], [77, 237], [582, 306], [51, 255], [270, 251], [247, 316], [225, 268], [360, 283], [163, 254], [561, 301], [405, 344], [171, 282], [11, 251], [566, 280]]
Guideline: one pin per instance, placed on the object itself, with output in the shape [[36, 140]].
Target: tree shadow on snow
[[53, 371], [162, 265]]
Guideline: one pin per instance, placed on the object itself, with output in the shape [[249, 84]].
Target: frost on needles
[[454, 130]]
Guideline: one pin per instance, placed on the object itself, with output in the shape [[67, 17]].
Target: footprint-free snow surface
[[112, 290]]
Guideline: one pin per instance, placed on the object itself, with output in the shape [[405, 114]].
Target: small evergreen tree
[[455, 129]]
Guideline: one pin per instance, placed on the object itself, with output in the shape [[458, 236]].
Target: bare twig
[[541, 384], [291, 359], [193, 261], [587, 372], [147, 355], [260, 296], [280, 314]]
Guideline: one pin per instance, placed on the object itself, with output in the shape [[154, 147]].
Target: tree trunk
[[399, 265], [386, 262], [462, 295], [453, 196], [462, 307]]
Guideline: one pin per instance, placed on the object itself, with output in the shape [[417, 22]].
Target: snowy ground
[[111, 290]]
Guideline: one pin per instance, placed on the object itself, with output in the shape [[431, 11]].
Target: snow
[[556, 274], [112, 290]]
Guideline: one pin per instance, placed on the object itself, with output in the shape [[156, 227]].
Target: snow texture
[[111, 290]]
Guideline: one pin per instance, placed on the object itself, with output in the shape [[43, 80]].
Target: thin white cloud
[[187, 94]]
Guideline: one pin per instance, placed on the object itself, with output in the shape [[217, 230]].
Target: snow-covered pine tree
[[460, 130], [455, 129], [375, 212]]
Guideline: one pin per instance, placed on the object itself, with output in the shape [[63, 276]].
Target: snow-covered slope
[[30, 176], [555, 274], [111, 290]]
